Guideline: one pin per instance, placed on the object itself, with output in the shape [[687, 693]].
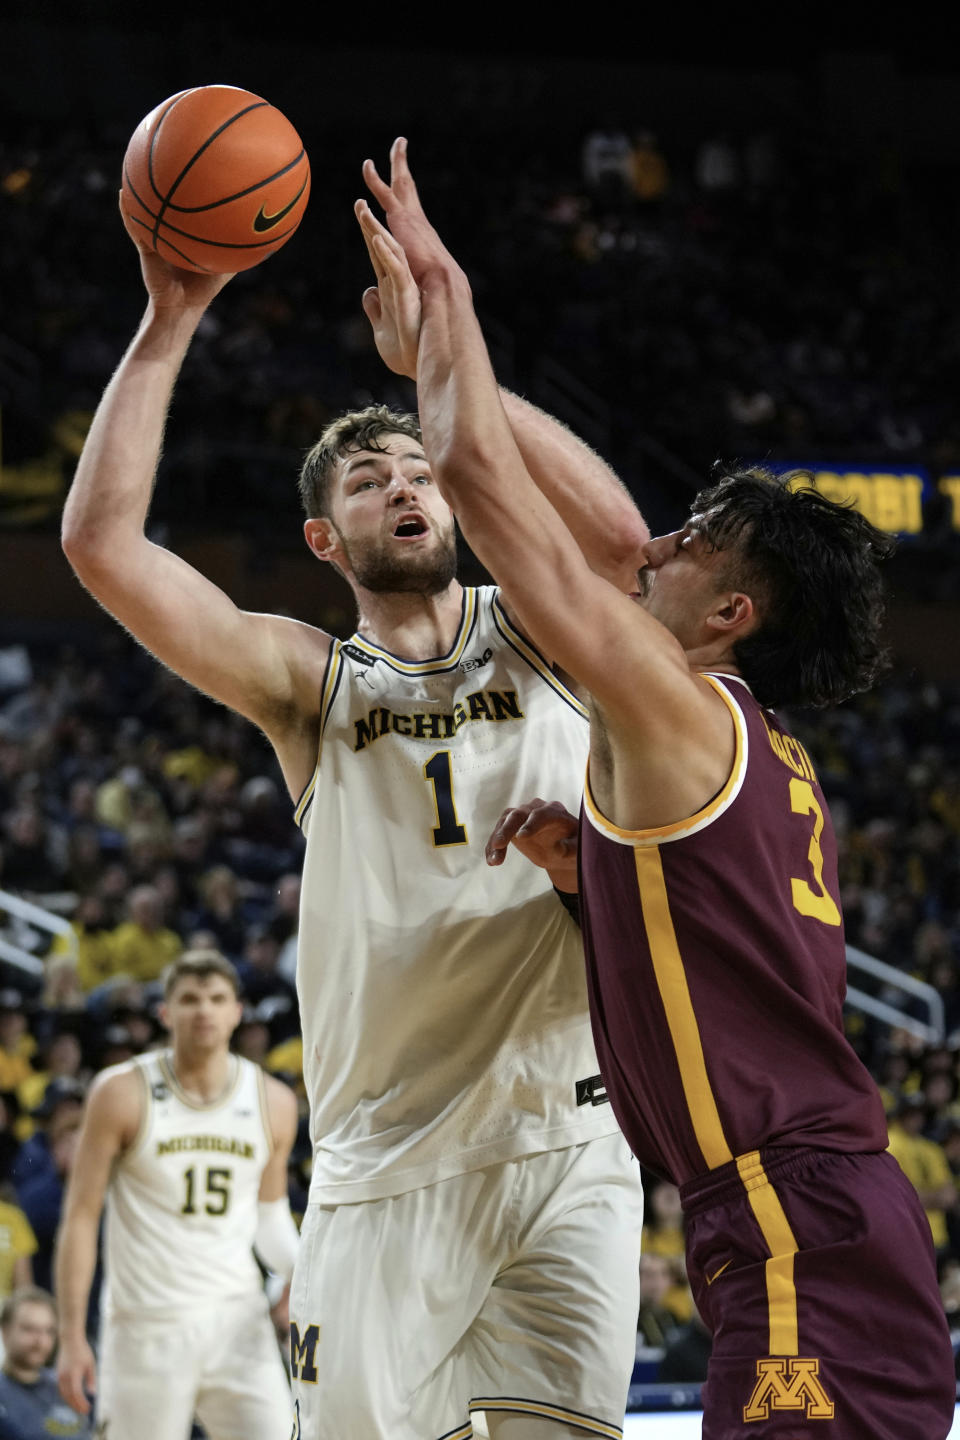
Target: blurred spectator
[[924, 1164], [60, 1057], [43, 1165], [17, 1045], [688, 1353], [142, 946], [95, 949], [30, 1403], [18, 1245], [656, 1324], [222, 910]]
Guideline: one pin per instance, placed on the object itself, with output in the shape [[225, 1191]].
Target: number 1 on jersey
[[448, 830]]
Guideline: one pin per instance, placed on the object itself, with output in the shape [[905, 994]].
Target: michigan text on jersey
[[432, 725]]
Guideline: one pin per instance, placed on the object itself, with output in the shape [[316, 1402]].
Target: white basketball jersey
[[181, 1210], [443, 1002]]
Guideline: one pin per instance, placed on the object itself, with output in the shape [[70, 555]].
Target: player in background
[[466, 1161], [708, 889], [188, 1147]]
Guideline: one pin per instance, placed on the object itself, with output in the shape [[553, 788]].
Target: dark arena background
[[686, 248]]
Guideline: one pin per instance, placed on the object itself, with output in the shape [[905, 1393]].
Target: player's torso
[[717, 967], [182, 1204], [428, 979]]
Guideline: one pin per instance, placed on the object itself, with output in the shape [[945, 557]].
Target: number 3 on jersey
[[448, 830], [813, 900]]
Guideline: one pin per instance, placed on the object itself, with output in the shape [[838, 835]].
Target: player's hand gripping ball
[[214, 179]]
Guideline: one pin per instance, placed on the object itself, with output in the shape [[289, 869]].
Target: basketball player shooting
[[708, 889], [471, 1242], [188, 1148]]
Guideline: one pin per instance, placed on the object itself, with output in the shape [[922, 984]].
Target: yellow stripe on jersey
[[678, 1006], [681, 828], [779, 1238], [533, 657], [334, 666], [424, 667], [508, 1404]]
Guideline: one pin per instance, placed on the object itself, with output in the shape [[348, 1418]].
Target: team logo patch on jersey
[[355, 653], [788, 1384], [160, 1090], [592, 1091], [478, 662]]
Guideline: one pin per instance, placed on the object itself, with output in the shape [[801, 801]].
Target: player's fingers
[[365, 216], [378, 188], [371, 305], [501, 835], [71, 1388], [400, 176]]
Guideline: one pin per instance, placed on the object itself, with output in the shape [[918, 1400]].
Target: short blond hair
[[199, 965]]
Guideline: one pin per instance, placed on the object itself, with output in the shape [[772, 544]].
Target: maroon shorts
[[815, 1271]]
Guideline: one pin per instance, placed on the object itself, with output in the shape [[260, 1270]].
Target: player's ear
[[321, 536], [734, 614], [163, 1015]]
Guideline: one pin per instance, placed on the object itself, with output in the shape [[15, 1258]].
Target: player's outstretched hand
[[392, 305], [76, 1374], [405, 214], [171, 288], [545, 832]]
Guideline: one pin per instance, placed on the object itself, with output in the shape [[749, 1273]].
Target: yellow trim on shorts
[[678, 1006], [780, 1241], [510, 1404]]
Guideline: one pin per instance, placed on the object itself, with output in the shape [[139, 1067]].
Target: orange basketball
[[215, 179]]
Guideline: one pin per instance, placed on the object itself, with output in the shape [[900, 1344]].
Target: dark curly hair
[[357, 430], [811, 567]]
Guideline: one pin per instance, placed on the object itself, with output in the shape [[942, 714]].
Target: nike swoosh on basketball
[[717, 1273], [262, 221]]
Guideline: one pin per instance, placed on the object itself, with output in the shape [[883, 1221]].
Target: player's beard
[[386, 572]]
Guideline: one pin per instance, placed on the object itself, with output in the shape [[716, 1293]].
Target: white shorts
[[219, 1362], [514, 1288]]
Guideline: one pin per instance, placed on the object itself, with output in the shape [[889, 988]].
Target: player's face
[[680, 582], [395, 531], [30, 1336], [202, 1013]]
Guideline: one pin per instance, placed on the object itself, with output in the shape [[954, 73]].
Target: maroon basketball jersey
[[717, 970]]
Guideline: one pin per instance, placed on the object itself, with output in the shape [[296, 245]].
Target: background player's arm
[[582, 487], [266, 667], [111, 1121], [276, 1241]]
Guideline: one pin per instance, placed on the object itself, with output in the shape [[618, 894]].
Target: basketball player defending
[[189, 1148], [708, 885], [473, 1233]]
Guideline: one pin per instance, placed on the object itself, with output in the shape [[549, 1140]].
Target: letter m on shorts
[[303, 1353], [788, 1384]]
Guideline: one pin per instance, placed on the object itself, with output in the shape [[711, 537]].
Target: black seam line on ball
[[196, 155], [197, 209]]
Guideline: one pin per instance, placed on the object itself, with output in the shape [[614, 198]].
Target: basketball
[[215, 179]]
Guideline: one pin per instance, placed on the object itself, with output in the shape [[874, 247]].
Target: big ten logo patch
[[303, 1353], [788, 1384]]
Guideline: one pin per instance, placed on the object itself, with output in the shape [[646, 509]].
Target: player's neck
[[204, 1075], [415, 627], [23, 1374]]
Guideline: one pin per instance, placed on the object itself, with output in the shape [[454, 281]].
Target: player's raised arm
[[111, 1121], [262, 666], [590, 629], [581, 486]]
